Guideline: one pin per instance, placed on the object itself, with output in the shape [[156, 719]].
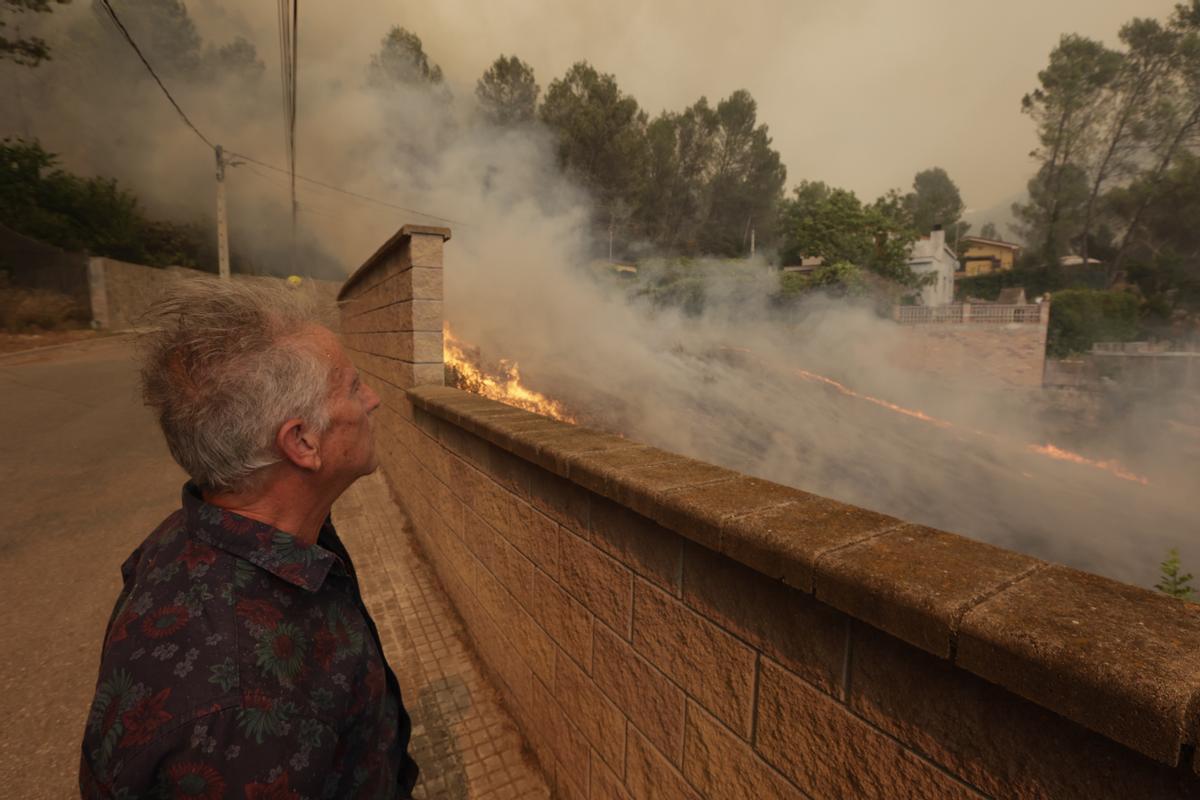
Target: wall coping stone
[[406, 232], [1117, 659]]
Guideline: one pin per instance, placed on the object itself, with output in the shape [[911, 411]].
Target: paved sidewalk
[[463, 740]]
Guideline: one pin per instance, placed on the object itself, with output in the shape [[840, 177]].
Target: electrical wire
[[288, 13], [125, 33], [307, 206], [340, 190], [230, 155]]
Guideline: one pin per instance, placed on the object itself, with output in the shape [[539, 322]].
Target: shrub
[[22, 310], [1175, 581], [1081, 317]]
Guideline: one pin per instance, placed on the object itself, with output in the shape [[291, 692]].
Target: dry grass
[[33, 310]]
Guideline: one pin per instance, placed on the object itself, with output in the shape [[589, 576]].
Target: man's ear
[[298, 444]]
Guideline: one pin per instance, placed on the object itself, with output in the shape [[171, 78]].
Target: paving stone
[[465, 743]]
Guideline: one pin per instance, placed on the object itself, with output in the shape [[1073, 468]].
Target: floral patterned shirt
[[240, 662]]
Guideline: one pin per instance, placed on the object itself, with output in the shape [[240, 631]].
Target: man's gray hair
[[223, 368]]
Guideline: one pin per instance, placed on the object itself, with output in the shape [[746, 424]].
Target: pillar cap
[[401, 236]]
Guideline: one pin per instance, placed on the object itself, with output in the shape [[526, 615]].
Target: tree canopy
[[402, 60], [832, 224], [40, 200], [601, 136], [28, 51], [507, 92], [935, 200]]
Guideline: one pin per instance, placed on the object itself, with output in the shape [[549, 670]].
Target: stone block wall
[[121, 292], [664, 628], [1003, 355]]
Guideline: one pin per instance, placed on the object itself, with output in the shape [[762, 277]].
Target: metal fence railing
[[968, 314]]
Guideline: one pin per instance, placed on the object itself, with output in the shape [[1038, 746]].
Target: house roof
[[992, 242]]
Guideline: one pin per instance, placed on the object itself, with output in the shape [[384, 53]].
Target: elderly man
[[240, 660]]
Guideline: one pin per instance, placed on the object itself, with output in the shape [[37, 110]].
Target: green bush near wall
[[1080, 317], [1034, 280]]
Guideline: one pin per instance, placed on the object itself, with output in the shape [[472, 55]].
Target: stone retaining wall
[[662, 627], [996, 356], [121, 292]]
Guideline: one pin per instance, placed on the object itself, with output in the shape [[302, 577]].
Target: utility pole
[[752, 232], [222, 222]]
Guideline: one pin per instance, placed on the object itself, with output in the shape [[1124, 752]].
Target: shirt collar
[[280, 553]]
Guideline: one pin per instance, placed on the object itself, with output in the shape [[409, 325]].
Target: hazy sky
[[859, 93]]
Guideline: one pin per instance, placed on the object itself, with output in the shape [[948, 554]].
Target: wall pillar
[[391, 309], [98, 290]]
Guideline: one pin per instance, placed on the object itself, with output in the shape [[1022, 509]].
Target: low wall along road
[[662, 627]]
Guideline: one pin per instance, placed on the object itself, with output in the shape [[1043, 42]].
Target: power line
[[230, 154], [288, 37], [125, 33], [339, 189], [307, 205]]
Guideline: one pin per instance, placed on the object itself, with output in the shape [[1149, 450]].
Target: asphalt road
[[84, 476]]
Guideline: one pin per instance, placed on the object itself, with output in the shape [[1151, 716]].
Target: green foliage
[[1174, 581], [1163, 255], [1066, 108], [841, 279], [833, 224], [935, 200], [988, 231], [711, 178], [601, 136], [402, 60], [1081, 317], [1053, 213], [507, 92], [28, 51], [674, 197], [1033, 277], [747, 178], [94, 214], [163, 29], [237, 59], [1113, 125]]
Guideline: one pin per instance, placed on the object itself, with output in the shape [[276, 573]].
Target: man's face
[[348, 445]]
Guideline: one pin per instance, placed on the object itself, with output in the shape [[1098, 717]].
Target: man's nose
[[373, 400]]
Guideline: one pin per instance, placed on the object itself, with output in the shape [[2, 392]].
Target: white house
[[930, 254]]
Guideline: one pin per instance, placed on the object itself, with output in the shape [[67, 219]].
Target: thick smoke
[[723, 386]]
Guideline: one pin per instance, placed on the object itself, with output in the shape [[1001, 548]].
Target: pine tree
[[1173, 582]]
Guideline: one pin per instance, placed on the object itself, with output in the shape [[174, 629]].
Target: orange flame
[[504, 386], [1111, 466]]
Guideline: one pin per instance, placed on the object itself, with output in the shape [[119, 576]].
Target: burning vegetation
[[465, 370]]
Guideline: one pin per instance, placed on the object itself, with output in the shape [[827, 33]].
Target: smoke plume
[[733, 385]]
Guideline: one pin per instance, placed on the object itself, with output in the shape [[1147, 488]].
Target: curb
[[15, 353]]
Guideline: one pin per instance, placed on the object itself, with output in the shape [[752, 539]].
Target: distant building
[[1077, 261], [931, 255], [808, 264], [984, 256]]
